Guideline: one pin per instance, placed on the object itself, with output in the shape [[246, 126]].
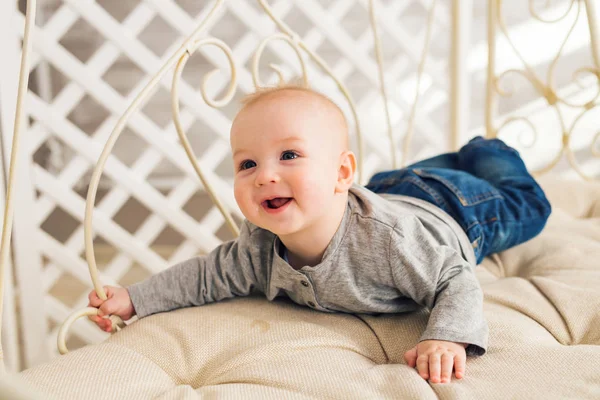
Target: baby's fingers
[[423, 366], [109, 307], [106, 324], [434, 367], [447, 364], [411, 357], [103, 323], [94, 300], [459, 366]]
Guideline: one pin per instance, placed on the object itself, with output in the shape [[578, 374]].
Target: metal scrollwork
[[548, 89], [259, 51]]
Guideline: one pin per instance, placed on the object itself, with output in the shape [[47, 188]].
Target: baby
[[410, 239]]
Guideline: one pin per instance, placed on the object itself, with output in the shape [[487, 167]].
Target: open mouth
[[276, 203]]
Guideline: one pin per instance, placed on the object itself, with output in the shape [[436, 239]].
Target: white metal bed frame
[[458, 113]]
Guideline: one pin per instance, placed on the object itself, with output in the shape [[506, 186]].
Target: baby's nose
[[266, 175]]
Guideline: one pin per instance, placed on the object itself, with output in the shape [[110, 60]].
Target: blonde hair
[[267, 91], [263, 93]]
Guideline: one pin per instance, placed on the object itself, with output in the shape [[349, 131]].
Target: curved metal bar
[[595, 147], [527, 122], [595, 143], [420, 71], [491, 101], [549, 21], [233, 82], [576, 78], [593, 17], [537, 85], [536, 81], [258, 54], [565, 138], [95, 179], [117, 323], [550, 91], [534, 131], [382, 86], [177, 120], [10, 184], [552, 67]]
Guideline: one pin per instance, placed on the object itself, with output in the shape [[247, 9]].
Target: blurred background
[[92, 58]]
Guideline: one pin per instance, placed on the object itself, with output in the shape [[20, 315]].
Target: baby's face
[[286, 154]]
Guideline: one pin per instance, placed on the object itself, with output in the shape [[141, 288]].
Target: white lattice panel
[[91, 58]]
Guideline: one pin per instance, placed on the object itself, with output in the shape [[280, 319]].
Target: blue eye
[[288, 155], [247, 164]]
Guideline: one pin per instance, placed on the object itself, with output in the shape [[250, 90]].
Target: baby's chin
[[278, 230], [284, 229]]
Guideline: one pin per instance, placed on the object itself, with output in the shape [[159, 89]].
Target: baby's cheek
[[317, 190], [241, 199], [237, 195]]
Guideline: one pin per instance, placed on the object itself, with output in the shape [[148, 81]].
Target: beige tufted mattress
[[542, 302]]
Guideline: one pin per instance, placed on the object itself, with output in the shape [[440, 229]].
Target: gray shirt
[[390, 254]]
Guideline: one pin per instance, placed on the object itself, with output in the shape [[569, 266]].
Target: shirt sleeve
[[225, 272], [437, 277]]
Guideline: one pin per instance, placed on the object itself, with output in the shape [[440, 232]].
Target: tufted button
[[310, 303], [304, 283]]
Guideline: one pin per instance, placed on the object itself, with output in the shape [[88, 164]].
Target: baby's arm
[[225, 272], [438, 278]]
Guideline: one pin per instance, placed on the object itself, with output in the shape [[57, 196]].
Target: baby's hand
[[435, 357], [118, 303]]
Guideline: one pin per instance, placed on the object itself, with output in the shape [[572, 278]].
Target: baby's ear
[[346, 171]]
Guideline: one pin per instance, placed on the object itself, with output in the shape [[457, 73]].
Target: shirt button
[[310, 303], [304, 283]]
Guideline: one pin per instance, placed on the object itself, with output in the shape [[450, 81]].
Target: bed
[[542, 303]]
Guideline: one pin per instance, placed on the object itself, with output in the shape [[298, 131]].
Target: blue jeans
[[484, 186]]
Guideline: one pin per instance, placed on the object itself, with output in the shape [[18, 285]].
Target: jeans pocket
[[468, 189]]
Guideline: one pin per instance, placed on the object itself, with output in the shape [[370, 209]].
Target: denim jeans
[[484, 186]]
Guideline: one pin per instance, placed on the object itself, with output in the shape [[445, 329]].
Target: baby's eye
[[288, 155], [247, 164]]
